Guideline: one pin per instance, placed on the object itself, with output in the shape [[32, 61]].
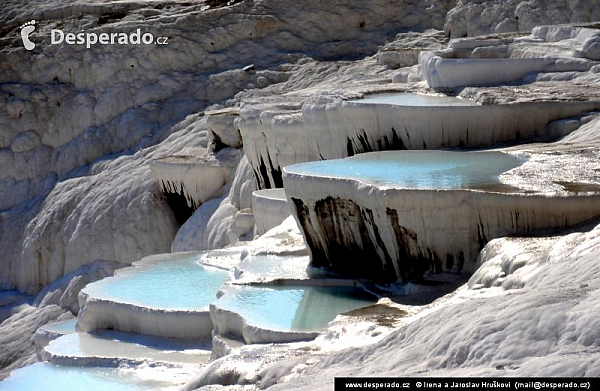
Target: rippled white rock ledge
[[364, 228], [270, 208], [333, 127], [47, 333], [114, 349], [481, 62], [144, 299], [194, 178]]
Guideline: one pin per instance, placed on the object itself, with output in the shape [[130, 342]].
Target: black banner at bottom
[[464, 383]]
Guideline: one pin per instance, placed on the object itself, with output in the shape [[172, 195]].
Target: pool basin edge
[[105, 314]]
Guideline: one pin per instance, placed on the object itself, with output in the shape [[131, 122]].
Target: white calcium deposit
[[244, 90], [331, 124], [270, 208], [530, 322], [396, 222], [197, 179], [467, 62]]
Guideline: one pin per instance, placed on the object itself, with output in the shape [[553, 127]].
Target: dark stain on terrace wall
[[217, 144], [339, 239], [343, 238], [266, 181], [183, 207], [362, 143], [276, 175], [354, 146], [411, 260], [319, 257], [395, 144]]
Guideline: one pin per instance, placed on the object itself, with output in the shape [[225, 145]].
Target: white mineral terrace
[[164, 295], [45, 376], [549, 49], [306, 172], [52, 331], [409, 212], [268, 267], [222, 129], [107, 348], [333, 128], [196, 178], [269, 314], [270, 208], [169, 295]]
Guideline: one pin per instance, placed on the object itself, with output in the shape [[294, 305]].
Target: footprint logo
[[27, 29]]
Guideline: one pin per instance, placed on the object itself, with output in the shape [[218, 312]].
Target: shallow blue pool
[[416, 169], [170, 281], [411, 99], [48, 377], [62, 327], [307, 308]]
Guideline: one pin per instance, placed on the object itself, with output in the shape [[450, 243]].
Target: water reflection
[[307, 308], [171, 281], [417, 169], [411, 99], [48, 377]]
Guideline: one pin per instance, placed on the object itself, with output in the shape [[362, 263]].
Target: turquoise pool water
[[411, 99], [118, 345], [171, 281], [63, 327], [416, 169], [307, 308], [48, 377]]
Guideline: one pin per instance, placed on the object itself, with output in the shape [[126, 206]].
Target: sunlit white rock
[[163, 295], [469, 61], [112, 349], [410, 212], [222, 128], [223, 220], [197, 178], [270, 208], [333, 128]]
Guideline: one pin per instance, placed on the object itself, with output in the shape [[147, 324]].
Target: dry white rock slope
[[473, 17], [65, 110]]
